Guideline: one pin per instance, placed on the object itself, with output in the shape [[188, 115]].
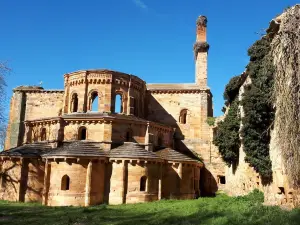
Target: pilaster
[[88, 184]]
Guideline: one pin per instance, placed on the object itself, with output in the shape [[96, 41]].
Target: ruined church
[[157, 144]]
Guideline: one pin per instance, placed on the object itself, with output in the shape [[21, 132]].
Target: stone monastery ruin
[[59, 152], [75, 147]]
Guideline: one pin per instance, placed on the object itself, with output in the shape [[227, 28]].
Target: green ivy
[[227, 136], [211, 121], [232, 89], [258, 108], [258, 112]]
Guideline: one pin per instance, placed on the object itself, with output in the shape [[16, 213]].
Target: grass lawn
[[219, 210]]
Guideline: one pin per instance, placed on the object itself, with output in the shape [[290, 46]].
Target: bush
[[227, 138], [211, 121]]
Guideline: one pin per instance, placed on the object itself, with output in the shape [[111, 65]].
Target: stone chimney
[[200, 50]]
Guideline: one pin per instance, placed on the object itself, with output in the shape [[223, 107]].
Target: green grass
[[219, 210]]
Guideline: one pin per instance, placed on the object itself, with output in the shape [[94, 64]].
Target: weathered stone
[[154, 117]]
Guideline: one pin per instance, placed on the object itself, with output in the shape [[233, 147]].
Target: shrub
[[227, 137], [211, 121]]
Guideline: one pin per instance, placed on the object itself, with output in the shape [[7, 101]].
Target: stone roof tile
[[173, 155], [28, 150], [133, 151], [77, 149]]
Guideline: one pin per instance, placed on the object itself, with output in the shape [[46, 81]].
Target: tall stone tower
[[200, 49]]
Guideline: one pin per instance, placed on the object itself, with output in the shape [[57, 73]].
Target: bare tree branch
[[4, 70]]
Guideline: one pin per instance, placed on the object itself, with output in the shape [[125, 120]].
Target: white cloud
[[140, 4]]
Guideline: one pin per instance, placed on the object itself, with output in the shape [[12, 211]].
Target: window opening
[[143, 183], [183, 115], [94, 101], [118, 104], [43, 134], [65, 183], [82, 133], [74, 103], [222, 180], [128, 136]]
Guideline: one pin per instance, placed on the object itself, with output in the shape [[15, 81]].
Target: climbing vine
[[258, 112], [227, 136], [232, 89], [258, 107]]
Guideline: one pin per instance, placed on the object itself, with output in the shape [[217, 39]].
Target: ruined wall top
[[202, 21]]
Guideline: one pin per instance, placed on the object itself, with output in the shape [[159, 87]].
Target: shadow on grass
[[220, 210]]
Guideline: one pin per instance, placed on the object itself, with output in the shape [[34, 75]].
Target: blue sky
[[153, 39]]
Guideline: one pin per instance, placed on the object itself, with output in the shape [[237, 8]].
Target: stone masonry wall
[[135, 173], [16, 116], [35, 181], [116, 184], [98, 183], [241, 179], [94, 131], [26, 105], [76, 194], [10, 180], [196, 134], [43, 104]]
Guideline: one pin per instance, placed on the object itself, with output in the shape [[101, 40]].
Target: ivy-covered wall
[[258, 111], [258, 108]]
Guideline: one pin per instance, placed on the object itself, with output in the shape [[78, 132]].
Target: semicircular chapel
[[109, 137]]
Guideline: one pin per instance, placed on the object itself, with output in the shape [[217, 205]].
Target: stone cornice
[[169, 91], [97, 120], [43, 121], [104, 77], [103, 159], [38, 91]]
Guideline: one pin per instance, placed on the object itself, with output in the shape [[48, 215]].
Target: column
[[88, 184], [160, 182], [124, 181], [46, 182], [180, 177]]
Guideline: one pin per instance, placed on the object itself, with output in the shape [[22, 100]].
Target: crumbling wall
[[43, 104], [283, 189], [29, 103], [241, 178]]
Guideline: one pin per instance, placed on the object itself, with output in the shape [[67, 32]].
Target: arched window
[[128, 136], [136, 107], [82, 133], [118, 103], [143, 183], [182, 117], [160, 141], [35, 134], [43, 134], [74, 103], [65, 183], [94, 101]]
